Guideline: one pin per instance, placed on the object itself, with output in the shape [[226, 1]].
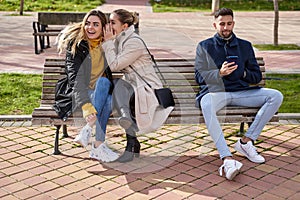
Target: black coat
[[72, 91]]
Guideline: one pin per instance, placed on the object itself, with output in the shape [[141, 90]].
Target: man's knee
[[277, 96], [206, 101]]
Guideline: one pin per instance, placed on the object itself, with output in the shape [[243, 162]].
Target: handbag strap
[[140, 76], [153, 60]]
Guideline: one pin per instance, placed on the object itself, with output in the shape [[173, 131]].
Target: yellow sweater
[[97, 71]]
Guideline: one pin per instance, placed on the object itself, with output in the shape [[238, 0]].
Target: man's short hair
[[223, 12]]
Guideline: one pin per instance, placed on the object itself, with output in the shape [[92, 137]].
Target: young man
[[224, 81]]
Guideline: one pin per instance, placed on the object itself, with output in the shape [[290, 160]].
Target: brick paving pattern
[[178, 162]]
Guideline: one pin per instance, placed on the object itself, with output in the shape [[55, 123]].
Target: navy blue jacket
[[210, 55]]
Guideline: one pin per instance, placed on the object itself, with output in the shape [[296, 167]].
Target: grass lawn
[[289, 85], [236, 5], [267, 47], [158, 5], [21, 93], [54, 5]]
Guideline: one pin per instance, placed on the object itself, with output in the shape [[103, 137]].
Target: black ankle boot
[[125, 120], [136, 148], [132, 149]]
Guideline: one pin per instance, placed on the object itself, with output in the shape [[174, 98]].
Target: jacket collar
[[221, 41], [123, 36], [84, 44]]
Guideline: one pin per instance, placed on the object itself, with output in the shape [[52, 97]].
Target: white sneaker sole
[[106, 155], [236, 172], [241, 151], [233, 175]]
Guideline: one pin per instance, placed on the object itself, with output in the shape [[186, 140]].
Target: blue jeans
[[101, 100], [269, 100]]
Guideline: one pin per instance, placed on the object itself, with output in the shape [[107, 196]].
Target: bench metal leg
[[56, 150], [36, 30], [249, 124], [36, 45], [48, 42], [242, 128], [37, 51], [65, 131], [42, 38]]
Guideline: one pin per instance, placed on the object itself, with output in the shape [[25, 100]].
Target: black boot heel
[[137, 148]]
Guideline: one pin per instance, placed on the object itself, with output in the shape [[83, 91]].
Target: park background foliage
[[240, 5], [158, 5], [52, 5]]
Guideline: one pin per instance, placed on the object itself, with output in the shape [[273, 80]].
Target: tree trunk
[[276, 20], [215, 4], [21, 7]]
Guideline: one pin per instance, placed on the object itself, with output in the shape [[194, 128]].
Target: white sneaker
[[84, 136], [249, 151], [231, 168], [103, 153]]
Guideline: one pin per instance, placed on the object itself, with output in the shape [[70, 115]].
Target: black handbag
[[164, 97]]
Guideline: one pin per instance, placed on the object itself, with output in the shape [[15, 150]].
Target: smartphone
[[232, 59]]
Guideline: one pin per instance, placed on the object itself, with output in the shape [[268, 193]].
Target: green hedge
[[241, 5], [53, 5]]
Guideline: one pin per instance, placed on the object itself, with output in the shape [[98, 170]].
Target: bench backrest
[[59, 18], [179, 74]]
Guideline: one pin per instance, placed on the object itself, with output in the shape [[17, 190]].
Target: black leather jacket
[[78, 71]]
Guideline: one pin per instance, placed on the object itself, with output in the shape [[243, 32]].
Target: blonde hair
[[73, 34], [126, 17]]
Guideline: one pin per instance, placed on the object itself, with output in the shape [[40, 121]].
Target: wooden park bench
[[51, 23], [179, 74]]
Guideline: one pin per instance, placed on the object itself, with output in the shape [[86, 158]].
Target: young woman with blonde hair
[[89, 80]]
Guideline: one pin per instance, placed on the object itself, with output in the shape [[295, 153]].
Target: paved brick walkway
[[177, 162]]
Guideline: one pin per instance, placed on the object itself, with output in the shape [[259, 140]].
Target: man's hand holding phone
[[228, 66], [231, 59]]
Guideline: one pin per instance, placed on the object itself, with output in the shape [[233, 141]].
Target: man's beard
[[226, 34]]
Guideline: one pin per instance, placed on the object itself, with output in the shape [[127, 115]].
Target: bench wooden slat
[[47, 102], [46, 34]]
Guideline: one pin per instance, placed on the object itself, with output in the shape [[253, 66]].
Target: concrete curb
[[289, 116], [15, 117], [282, 116]]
